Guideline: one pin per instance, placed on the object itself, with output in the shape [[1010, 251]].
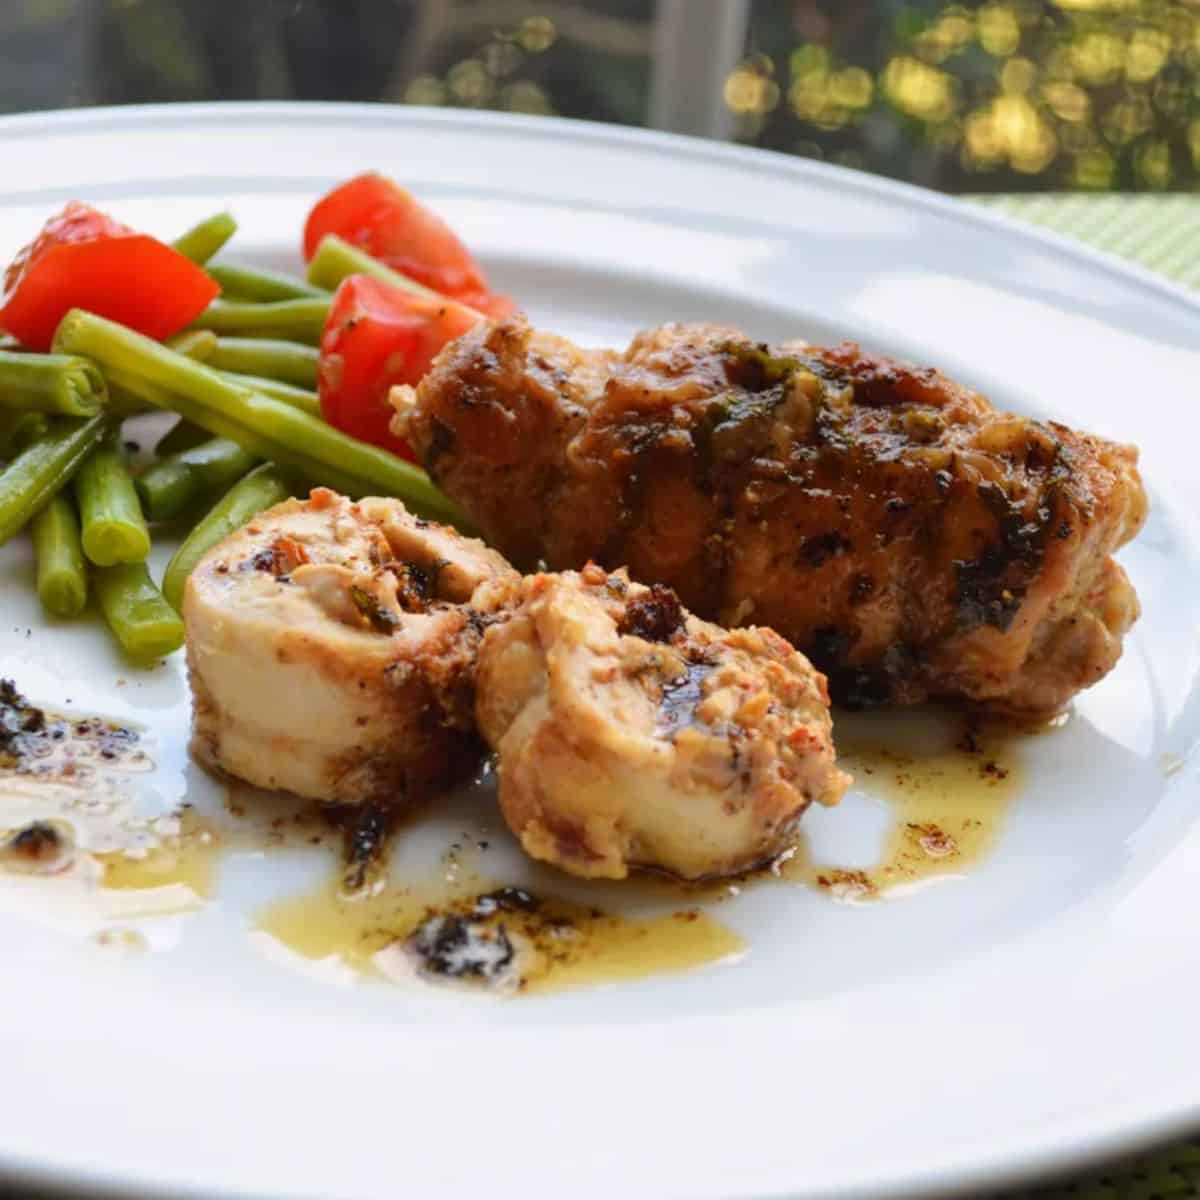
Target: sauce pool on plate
[[76, 852], [948, 788], [503, 938]]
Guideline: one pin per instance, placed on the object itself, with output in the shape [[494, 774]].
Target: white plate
[[1039, 1011]]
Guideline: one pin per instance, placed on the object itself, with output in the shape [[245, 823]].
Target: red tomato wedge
[[390, 224], [84, 259], [493, 306], [378, 336]]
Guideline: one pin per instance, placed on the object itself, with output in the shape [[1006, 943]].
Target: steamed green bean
[[301, 398], [183, 435], [263, 487], [336, 259], [62, 580], [51, 383], [301, 320], [173, 485], [254, 283], [196, 343], [144, 624], [45, 467], [296, 441], [18, 429], [202, 241], [113, 527], [289, 362]]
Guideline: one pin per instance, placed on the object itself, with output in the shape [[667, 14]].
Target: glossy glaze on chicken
[[331, 650], [908, 537], [629, 733], [349, 652]]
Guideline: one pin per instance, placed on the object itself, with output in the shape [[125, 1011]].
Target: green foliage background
[[990, 95]]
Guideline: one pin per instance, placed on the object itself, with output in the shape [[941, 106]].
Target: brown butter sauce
[[559, 944], [75, 847], [948, 787]]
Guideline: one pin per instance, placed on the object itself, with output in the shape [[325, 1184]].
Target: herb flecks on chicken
[[909, 538], [630, 734], [331, 652]]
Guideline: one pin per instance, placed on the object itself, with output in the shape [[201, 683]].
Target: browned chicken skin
[[894, 526]]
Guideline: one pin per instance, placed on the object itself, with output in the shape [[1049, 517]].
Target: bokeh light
[[959, 95], [1016, 94]]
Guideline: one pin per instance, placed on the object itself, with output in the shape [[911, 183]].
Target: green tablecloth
[[1162, 233], [1173, 1172]]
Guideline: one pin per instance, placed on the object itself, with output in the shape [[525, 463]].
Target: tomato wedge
[[84, 259], [493, 305], [390, 224], [378, 336]]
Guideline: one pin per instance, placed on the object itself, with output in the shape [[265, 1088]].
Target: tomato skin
[[378, 336], [492, 305], [84, 259], [390, 224]]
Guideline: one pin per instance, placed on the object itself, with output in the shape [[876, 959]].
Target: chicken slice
[[908, 537], [331, 650], [631, 734]]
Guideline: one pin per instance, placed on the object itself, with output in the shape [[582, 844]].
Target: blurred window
[[993, 95]]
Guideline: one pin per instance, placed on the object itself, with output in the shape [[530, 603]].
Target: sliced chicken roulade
[[893, 525], [632, 734], [331, 649]]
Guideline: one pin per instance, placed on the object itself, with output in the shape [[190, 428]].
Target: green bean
[[123, 404], [183, 435], [171, 486], [336, 259], [301, 398], [202, 241], [114, 529], [196, 343], [30, 428], [10, 422], [253, 283], [18, 429], [264, 486], [45, 467], [62, 581], [144, 624], [297, 442], [273, 429], [288, 362], [300, 320], [51, 383]]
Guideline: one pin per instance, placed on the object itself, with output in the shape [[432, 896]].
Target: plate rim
[[1129, 1129], [947, 205]]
